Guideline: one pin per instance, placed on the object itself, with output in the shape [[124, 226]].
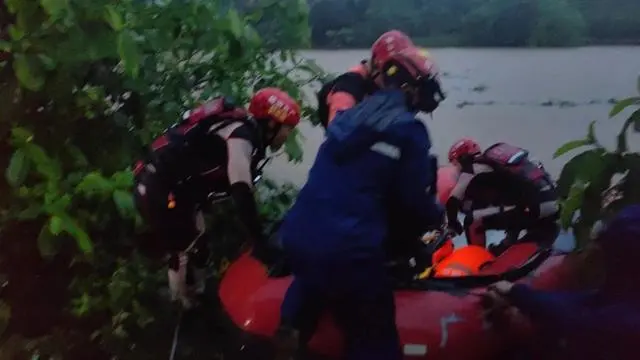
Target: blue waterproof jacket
[[375, 156], [600, 325]]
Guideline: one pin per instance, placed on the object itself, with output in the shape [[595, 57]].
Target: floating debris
[[559, 103], [548, 103], [479, 88], [470, 103]]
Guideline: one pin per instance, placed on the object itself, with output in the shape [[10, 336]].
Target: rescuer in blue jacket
[[375, 156]]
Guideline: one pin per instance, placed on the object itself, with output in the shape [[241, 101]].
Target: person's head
[[464, 148], [415, 74], [385, 46], [277, 114]]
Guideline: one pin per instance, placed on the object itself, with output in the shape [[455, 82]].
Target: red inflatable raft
[[438, 316]]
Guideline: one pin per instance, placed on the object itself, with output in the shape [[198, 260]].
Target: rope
[[176, 333]]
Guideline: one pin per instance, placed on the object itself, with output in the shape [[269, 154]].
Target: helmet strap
[[268, 134]]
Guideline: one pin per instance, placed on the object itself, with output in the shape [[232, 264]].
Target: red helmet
[[388, 44], [462, 147], [273, 104], [413, 68], [407, 67]]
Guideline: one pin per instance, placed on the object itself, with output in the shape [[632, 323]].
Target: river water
[[535, 98]]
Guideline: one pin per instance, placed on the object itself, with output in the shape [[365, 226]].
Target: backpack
[[197, 124], [514, 161]]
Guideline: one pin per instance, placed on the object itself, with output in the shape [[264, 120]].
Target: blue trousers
[[358, 293]]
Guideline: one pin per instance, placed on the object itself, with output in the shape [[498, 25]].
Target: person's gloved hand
[[495, 299], [502, 288]]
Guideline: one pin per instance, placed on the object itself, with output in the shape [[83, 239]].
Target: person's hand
[[502, 288], [430, 236], [495, 299]]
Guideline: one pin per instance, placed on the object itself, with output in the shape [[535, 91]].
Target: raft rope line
[[176, 335]]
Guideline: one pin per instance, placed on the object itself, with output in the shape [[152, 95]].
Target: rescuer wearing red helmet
[[213, 152], [501, 188], [350, 88]]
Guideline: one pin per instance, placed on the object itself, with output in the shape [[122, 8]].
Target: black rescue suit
[[200, 157], [502, 189]]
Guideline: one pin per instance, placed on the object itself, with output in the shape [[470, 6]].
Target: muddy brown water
[[536, 98]]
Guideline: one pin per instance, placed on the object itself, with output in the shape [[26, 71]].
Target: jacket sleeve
[[416, 181], [239, 173], [566, 314]]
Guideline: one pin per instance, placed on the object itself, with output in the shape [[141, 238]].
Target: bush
[[84, 87], [599, 182]]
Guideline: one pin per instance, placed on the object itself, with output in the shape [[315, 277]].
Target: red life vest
[[189, 138], [515, 161]]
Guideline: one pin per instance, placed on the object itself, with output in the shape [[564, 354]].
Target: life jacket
[[177, 155], [327, 88], [514, 161]]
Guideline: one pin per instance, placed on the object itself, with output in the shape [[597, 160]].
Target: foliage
[[356, 23], [598, 182], [84, 86]]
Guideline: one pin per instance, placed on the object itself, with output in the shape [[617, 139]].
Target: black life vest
[[327, 88], [187, 149], [514, 161], [323, 107]]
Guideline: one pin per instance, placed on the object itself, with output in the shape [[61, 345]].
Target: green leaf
[[571, 145], [122, 179], [633, 119], [83, 241], [252, 36], [54, 8], [94, 183], [31, 212], [58, 204], [14, 5], [623, 104], [5, 46], [293, 147], [29, 71], [581, 168], [113, 18], [235, 24], [18, 168], [20, 136], [129, 53], [16, 33], [46, 166], [47, 62], [571, 205], [47, 244], [124, 203], [55, 225]]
